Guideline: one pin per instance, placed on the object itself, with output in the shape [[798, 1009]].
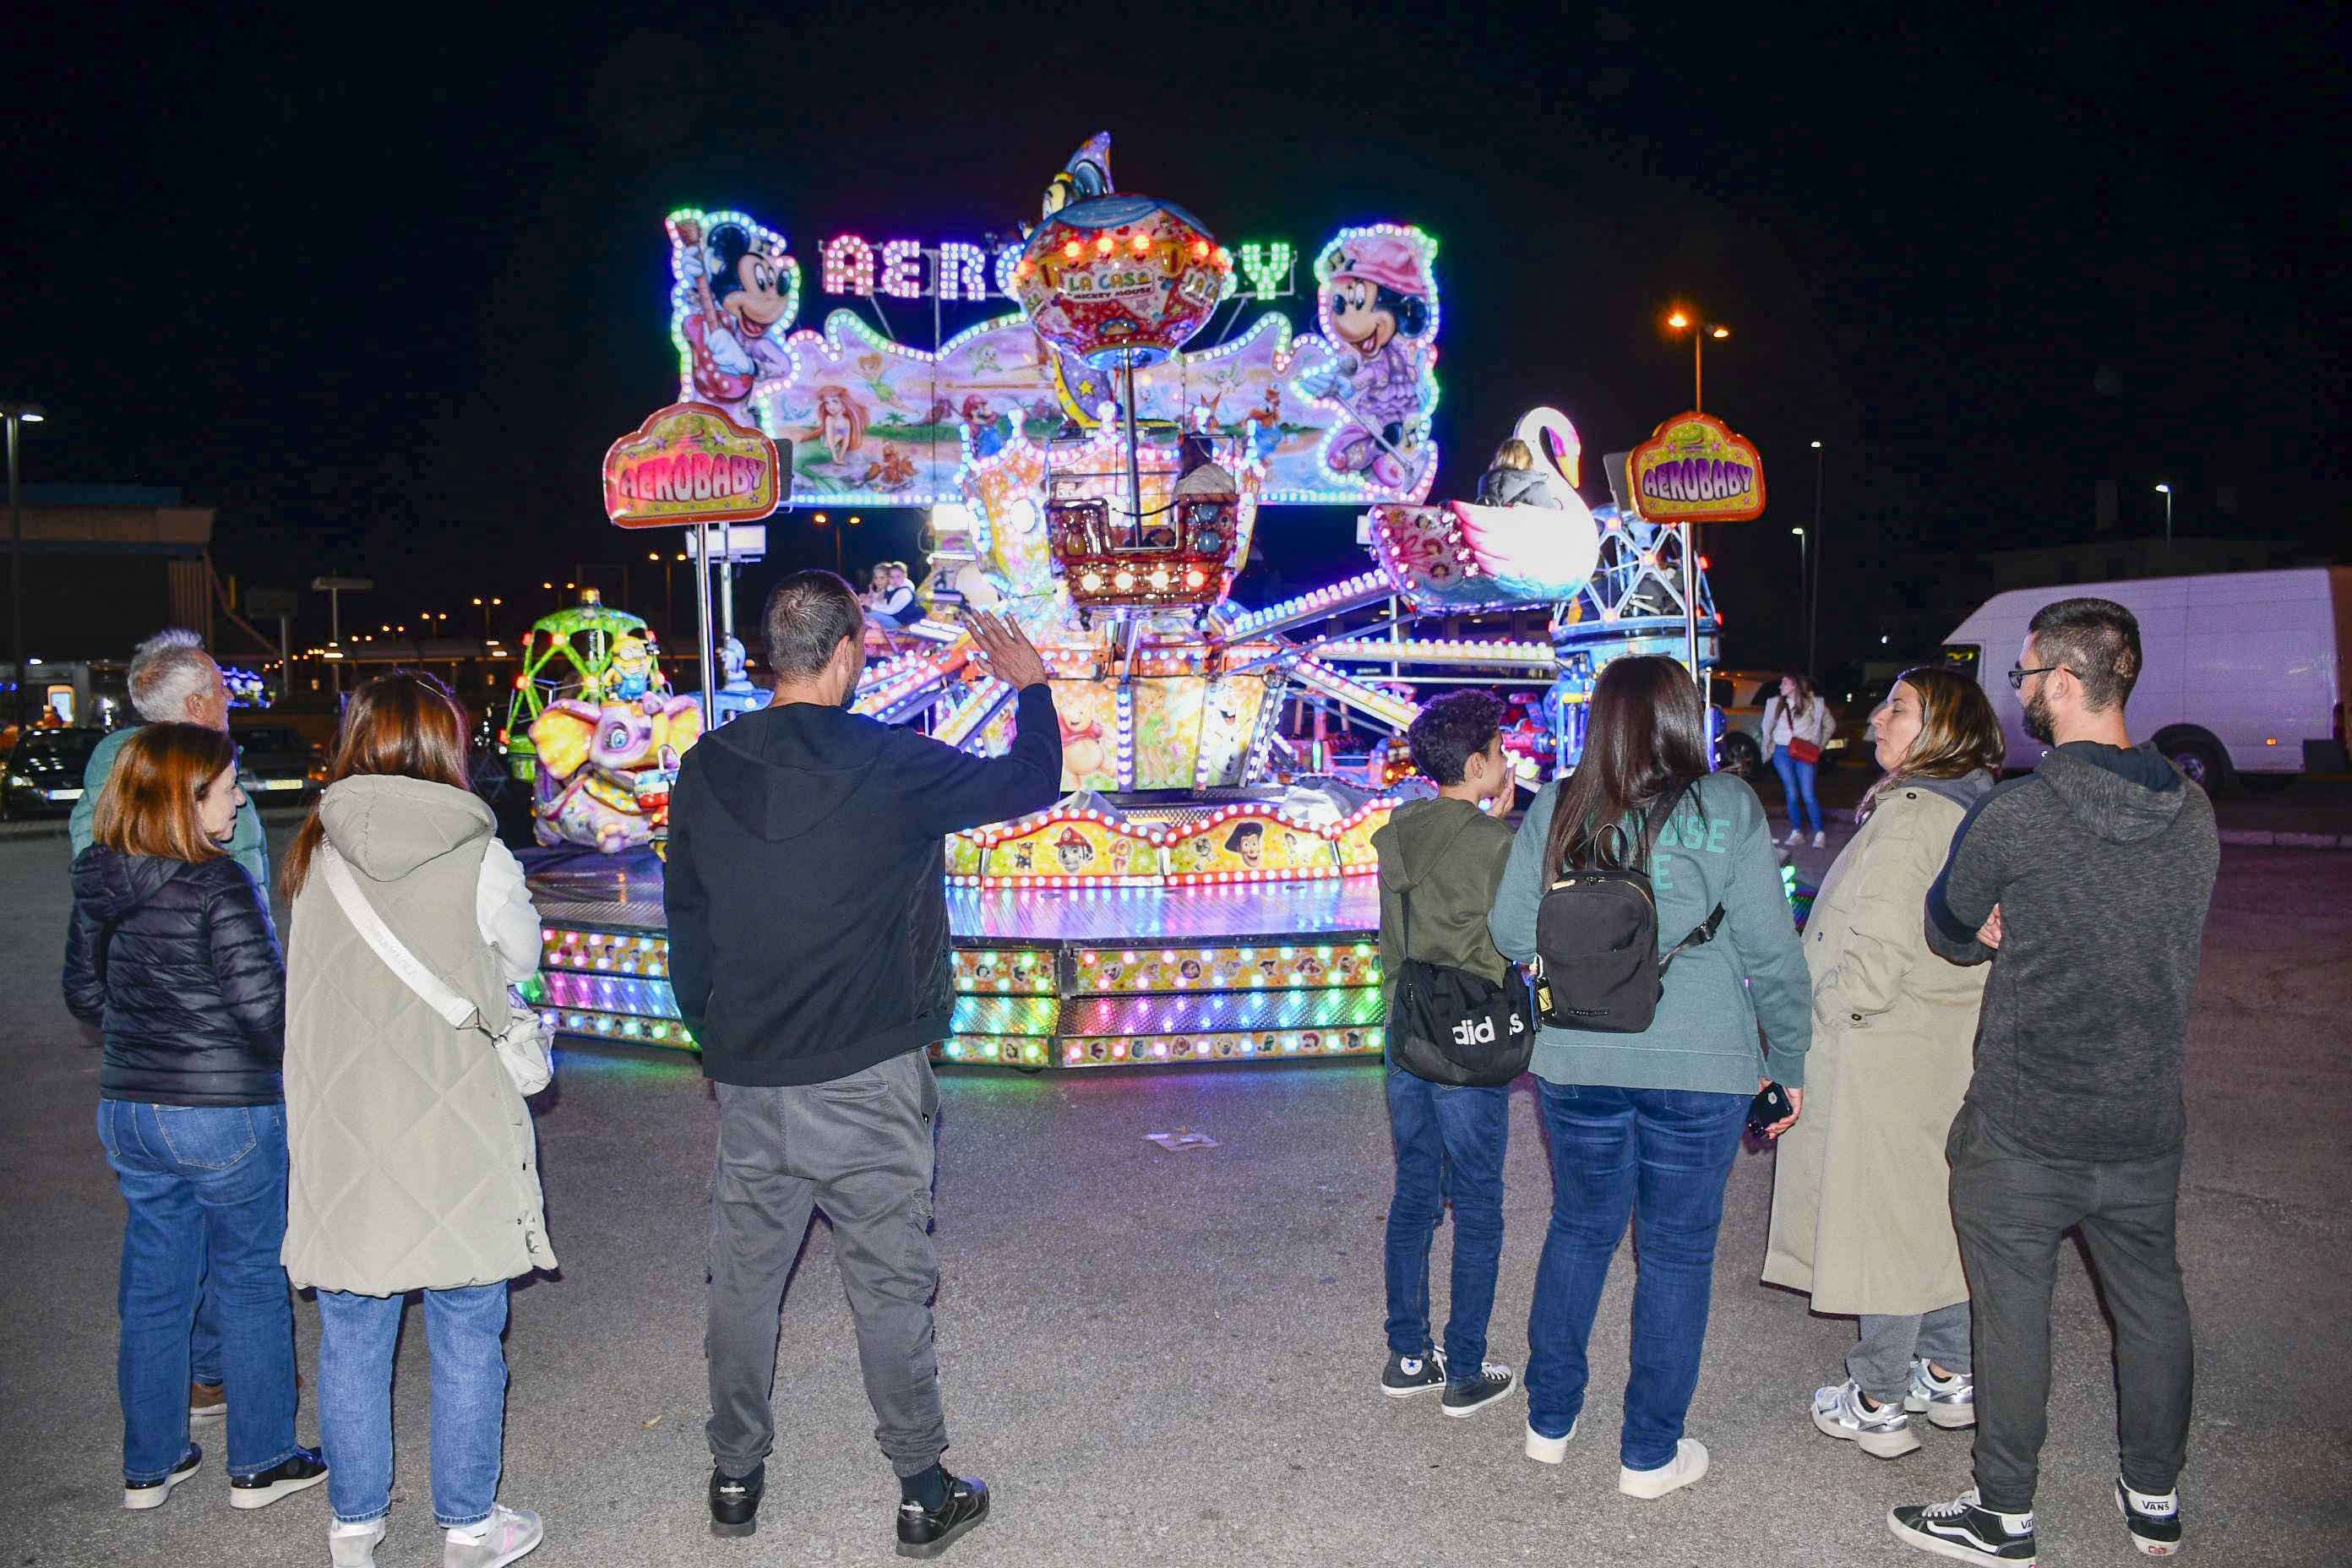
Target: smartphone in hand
[[1770, 1105]]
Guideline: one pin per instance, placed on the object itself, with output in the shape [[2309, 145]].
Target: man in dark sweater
[[808, 941], [2090, 877]]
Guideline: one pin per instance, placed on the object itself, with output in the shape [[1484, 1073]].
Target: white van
[[2242, 676]]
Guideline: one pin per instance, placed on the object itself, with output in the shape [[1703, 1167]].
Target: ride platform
[[1045, 978]]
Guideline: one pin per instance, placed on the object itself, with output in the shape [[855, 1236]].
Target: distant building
[[2119, 560], [106, 564]]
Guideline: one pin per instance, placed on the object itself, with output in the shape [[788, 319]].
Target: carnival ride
[[1198, 895]]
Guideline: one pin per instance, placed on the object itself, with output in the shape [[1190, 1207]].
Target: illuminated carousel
[[1198, 895]]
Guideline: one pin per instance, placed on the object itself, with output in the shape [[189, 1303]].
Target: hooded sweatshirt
[[2102, 863], [1515, 486], [1448, 854], [805, 884], [175, 960]]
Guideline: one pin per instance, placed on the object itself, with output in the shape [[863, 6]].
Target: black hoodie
[[2102, 863], [805, 885], [175, 960]]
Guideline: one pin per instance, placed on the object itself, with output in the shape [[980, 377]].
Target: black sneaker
[[1473, 1394], [1409, 1374], [927, 1531], [305, 1468], [2154, 1522], [735, 1504], [1966, 1530], [151, 1494]]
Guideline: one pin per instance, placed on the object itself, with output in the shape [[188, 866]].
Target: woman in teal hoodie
[[1647, 1124]]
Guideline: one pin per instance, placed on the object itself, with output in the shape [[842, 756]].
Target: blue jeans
[[1447, 1141], [1665, 1155], [205, 1191], [357, 1335], [1797, 787]]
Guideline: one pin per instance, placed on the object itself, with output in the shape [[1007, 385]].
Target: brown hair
[[1514, 454], [401, 725], [1803, 702], [1959, 734], [1646, 740], [149, 803]]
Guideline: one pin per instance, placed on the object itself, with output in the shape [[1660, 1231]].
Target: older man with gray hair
[[173, 682]]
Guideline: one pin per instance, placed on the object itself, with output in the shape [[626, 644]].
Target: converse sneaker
[[927, 1531], [353, 1545], [505, 1535], [2154, 1522], [1409, 1374], [1688, 1465], [1883, 1433], [151, 1494], [1471, 1396], [1964, 1530], [301, 1471], [1949, 1401], [1546, 1450]]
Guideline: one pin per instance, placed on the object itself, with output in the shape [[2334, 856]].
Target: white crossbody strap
[[455, 1010]]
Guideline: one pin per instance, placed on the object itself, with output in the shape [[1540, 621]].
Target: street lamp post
[[1813, 577], [1700, 332], [18, 414], [1804, 576], [2164, 491]]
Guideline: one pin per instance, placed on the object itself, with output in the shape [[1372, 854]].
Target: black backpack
[[1450, 1026], [1596, 963]]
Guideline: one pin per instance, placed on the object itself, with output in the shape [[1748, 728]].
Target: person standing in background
[[1795, 728]]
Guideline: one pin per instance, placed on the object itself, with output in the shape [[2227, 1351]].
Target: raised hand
[[1010, 655]]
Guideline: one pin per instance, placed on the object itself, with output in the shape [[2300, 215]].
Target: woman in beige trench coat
[[1861, 1210]]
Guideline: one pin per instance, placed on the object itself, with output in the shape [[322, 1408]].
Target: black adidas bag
[[1454, 1027], [1597, 961]]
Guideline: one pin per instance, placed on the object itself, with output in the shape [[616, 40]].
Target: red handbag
[[1803, 751]]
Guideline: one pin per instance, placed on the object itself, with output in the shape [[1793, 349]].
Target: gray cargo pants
[[860, 1148], [2012, 1209]]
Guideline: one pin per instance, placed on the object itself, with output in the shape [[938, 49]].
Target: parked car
[[277, 765], [2242, 676], [45, 768]]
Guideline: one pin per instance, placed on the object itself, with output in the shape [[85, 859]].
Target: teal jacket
[[247, 846], [1716, 848]]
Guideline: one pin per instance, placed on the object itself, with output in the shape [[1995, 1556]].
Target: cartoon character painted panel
[[606, 770]]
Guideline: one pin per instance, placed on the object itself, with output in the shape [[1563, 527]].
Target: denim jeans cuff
[[267, 1464], [385, 1513]]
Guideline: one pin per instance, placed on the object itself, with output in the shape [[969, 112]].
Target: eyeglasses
[[2017, 677]]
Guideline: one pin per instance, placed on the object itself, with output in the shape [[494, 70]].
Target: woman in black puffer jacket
[[170, 953]]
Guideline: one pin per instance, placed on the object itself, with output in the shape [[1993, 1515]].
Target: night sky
[[383, 293]]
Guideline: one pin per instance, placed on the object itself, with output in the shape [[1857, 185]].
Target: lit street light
[[2164, 491], [1684, 321], [18, 414]]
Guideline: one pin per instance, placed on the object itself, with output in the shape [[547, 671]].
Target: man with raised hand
[[808, 933], [2090, 877]]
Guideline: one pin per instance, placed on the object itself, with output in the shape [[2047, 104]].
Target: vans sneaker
[[1964, 1530], [2154, 1522], [301, 1471], [1546, 1450], [1409, 1374], [1949, 1402], [1471, 1396], [151, 1494], [1688, 1465], [1883, 1434]]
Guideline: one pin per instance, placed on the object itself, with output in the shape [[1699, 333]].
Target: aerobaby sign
[[1693, 468], [690, 463]]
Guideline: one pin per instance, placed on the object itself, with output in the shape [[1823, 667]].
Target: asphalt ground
[[1163, 1358]]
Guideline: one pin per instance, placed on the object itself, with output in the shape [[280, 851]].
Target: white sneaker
[[1883, 1433], [1821, 840], [353, 1545], [1688, 1465], [1796, 836], [1546, 1450], [505, 1535], [1949, 1402]]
